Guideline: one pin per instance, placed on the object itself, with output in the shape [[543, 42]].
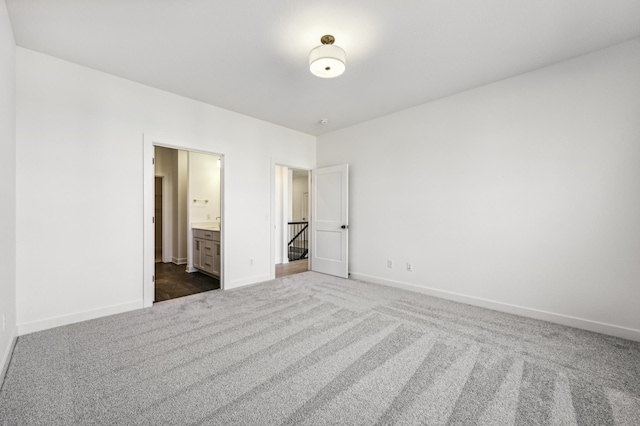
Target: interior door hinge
[[153, 219], [153, 161], [153, 278]]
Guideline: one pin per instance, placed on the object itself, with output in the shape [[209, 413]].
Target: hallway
[[296, 267]]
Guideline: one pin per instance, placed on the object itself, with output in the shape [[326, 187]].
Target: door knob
[[345, 227]]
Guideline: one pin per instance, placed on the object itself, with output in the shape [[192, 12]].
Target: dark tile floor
[[172, 281]]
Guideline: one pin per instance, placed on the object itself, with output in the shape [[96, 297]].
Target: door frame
[[148, 252], [277, 162]]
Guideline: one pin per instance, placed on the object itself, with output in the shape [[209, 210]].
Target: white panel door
[[330, 220]]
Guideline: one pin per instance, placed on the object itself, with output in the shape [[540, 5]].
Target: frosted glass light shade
[[327, 61]]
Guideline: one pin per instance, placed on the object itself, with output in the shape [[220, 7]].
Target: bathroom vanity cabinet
[[206, 251]]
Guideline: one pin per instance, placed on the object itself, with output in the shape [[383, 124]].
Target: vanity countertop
[[206, 226]]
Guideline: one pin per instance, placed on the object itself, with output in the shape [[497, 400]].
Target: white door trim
[[148, 252]]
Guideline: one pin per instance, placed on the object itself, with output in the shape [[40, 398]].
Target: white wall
[[525, 193], [204, 184], [289, 203], [181, 192], [80, 159], [203, 194], [7, 188], [288, 192], [300, 186], [173, 164], [166, 163]]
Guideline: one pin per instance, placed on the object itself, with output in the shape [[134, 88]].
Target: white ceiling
[[251, 56]]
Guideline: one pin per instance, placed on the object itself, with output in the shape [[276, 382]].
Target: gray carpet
[[311, 349]]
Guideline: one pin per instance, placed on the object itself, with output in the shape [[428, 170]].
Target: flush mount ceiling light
[[327, 60]]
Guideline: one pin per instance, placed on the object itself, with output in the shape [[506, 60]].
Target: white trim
[[257, 279], [148, 250], [287, 196], [179, 260], [45, 324], [189, 267], [585, 324], [6, 356], [148, 256]]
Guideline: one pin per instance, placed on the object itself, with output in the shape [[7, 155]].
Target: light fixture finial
[[327, 39]]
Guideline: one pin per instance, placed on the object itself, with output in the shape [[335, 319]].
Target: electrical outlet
[[208, 216], [409, 266], [250, 262], [389, 263]]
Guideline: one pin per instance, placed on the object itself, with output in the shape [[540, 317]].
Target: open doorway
[[187, 198], [292, 221]]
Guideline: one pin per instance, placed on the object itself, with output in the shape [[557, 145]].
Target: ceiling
[[251, 56]]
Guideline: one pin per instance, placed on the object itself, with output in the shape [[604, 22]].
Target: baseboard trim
[[6, 357], [247, 281], [179, 260], [585, 324], [45, 324]]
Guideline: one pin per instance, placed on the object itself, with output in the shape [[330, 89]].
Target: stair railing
[[298, 241]]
